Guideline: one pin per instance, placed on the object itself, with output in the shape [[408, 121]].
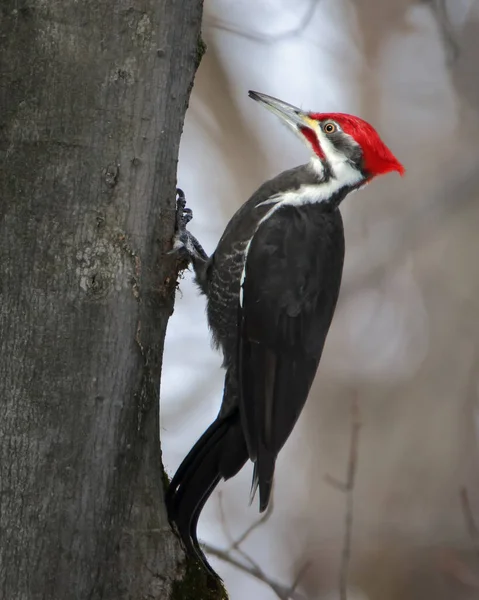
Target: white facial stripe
[[340, 166], [332, 155], [317, 166]]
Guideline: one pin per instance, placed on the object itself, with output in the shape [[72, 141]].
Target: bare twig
[[264, 518], [235, 544], [224, 524], [335, 483], [282, 591], [469, 518], [267, 39], [347, 488], [351, 477], [249, 565], [299, 576]]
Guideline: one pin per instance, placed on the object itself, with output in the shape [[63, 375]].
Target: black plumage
[[272, 336], [291, 285], [272, 285]]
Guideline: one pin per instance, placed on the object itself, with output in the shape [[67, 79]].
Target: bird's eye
[[329, 127]]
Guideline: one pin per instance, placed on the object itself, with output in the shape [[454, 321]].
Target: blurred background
[[404, 344]]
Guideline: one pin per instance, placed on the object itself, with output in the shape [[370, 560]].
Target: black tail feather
[[263, 476], [219, 453]]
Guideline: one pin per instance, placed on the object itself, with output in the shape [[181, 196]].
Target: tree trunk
[[92, 100]]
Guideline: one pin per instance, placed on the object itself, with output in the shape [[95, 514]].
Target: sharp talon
[[187, 216], [180, 206], [184, 243], [183, 214]]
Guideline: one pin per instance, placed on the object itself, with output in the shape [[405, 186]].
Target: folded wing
[[292, 277]]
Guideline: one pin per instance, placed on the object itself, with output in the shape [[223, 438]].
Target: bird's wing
[[291, 283]]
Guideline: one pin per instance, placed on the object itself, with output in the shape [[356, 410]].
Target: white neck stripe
[[343, 175]]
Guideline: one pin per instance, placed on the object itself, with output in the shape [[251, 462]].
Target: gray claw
[[187, 215], [184, 242], [183, 214]]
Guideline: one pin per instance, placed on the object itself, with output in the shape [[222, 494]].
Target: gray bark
[[92, 101]]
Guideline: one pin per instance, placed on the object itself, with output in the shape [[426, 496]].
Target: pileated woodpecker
[[272, 285]]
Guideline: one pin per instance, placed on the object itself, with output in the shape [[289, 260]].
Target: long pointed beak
[[292, 115]]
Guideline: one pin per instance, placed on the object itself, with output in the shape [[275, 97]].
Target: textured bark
[[92, 101]]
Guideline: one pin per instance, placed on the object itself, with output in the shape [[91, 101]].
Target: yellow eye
[[329, 127]]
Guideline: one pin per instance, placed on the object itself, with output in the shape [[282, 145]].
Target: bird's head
[[338, 140]]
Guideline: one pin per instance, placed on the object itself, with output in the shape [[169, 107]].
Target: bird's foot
[[182, 218], [185, 245]]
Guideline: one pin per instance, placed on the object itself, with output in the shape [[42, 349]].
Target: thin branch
[[299, 576], [338, 485], [283, 592], [263, 38], [350, 480], [264, 518], [347, 488], [252, 568], [235, 544], [224, 524]]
